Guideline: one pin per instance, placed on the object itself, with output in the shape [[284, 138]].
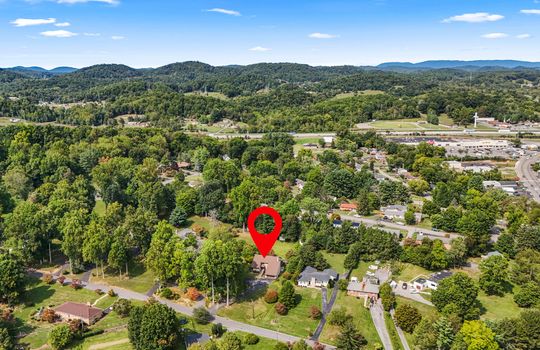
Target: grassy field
[[254, 310], [361, 318], [495, 307], [140, 280], [404, 124], [206, 223], [335, 261], [100, 207], [410, 272]]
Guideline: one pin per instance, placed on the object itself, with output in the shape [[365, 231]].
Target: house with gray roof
[[368, 287], [313, 278]]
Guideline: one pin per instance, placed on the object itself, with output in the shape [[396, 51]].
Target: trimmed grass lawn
[[361, 319], [361, 270], [410, 271], [206, 222], [425, 310], [100, 207], [85, 344], [140, 280], [498, 307], [254, 310], [407, 124], [335, 261]]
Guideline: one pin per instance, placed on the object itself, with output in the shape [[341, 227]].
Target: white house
[[313, 278]]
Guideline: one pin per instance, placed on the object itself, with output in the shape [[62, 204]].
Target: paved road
[[228, 323], [528, 177], [400, 334], [377, 314], [410, 229]]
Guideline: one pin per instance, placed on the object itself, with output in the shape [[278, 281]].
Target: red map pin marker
[[264, 242]]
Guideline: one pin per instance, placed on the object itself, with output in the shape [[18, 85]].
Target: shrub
[[76, 326], [111, 293], [76, 284], [48, 278], [123, 307], [281, 346], [286, 275], [318, 346], [218, 330], [315, 313], [407, 317], [343, 284], [251, 339], [61, 280], [99, 292], [271, 296], [48, 315], [281, 309], [528, 296], [166, 293], [201, 315], [388, 298], [193, 294]]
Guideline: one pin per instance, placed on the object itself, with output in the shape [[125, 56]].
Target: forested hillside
[[267, 96]]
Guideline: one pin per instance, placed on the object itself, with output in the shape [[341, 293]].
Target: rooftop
[[79, 310]]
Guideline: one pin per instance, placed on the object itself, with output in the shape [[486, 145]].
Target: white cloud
[[111, 2], [478, 17], [63, 24], [523, 36], [225, 11], [260, 49], [91, 34], [495, 36], [322, 36], [117, 37], [26, 22], [58, 34], [531, 12]]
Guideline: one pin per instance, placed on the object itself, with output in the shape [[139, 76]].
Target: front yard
[[361, 319], [254, 310]]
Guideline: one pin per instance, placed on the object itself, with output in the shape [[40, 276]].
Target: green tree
[[407, 317], [96, 244], [287, 295], [477, 335], [445, 333], [494, 275], [410, 219], [388, 298], [118, 256], [528, 295], [6, 341], [153, 326], [60, 337], [350, 338], [72, 228], [459, 290], [12, 277], [178, 217], [158, 256], [17, 182]]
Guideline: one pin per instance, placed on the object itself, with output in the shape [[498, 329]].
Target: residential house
[[313, 278], [348, 207], [268, 267], [368, 287], [394, 212], [75, 311], [432, 282]]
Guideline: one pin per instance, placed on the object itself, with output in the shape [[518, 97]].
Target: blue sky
[[150, 33]]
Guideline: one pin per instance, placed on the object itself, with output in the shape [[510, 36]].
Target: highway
[[528, 176]]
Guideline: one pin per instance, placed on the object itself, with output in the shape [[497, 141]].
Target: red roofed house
[[75, 311], [268, 267], [348, 206]]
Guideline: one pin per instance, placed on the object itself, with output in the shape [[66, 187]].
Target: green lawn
[[257, 312], [206, 223], [498, 307], [140, 280], [104, 338], [410, 271], [335, 261], [404, 124], [361, 318], [394, 337], [361, 270], [100, 207]]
